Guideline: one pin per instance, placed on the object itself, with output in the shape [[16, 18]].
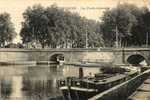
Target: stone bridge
[[115, 55]]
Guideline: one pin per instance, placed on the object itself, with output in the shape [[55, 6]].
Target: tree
[[139, 30], [7, 31], [58, 28], [35, 26], [124, 18], [93, 33], [142, 30]]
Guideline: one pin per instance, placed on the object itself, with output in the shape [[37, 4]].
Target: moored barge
[[82, 88]]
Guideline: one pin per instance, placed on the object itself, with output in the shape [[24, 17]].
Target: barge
[[82, 88]]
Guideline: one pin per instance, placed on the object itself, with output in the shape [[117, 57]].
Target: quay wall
[[124, 90]]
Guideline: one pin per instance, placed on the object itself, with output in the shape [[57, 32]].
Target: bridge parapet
[[117, 55], [76, 49]]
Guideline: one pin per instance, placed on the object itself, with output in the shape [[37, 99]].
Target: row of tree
[[55, 27], [128, 24]]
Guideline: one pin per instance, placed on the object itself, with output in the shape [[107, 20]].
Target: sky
[[91, 9]]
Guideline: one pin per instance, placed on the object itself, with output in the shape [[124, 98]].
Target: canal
[[35, 82]]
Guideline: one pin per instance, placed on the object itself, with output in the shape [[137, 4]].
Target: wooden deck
[[143, 92]]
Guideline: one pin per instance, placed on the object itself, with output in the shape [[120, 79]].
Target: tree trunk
[[43, 45]]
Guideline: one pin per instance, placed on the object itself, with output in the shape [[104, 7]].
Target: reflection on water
[[6, 88], [34, 82], [16, 87]]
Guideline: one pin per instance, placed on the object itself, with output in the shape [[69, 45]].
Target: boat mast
[[117, 39], [147, 39], [86, 39], [116, 28]]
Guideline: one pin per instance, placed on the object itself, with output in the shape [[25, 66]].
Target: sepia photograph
[[74, 49]]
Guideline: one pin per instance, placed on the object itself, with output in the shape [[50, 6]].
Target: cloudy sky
[[91, 9]]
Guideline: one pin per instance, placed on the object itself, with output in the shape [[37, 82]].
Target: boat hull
[[73, 93], [84, 88]]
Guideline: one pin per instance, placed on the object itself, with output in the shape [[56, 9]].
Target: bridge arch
[[57, 57], [137, 59]]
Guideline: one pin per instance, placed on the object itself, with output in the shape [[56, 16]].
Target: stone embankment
[[143, 92]]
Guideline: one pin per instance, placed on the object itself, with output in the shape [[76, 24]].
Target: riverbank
[[26, 62], [89, 64]]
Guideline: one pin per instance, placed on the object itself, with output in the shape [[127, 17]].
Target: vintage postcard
[[74, 50]]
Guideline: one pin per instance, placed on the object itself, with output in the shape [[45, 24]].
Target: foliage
[[129, 20], [7, 32], [13, 45], [58, 28]]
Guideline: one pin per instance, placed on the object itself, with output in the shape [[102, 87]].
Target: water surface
[[35, 82]]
